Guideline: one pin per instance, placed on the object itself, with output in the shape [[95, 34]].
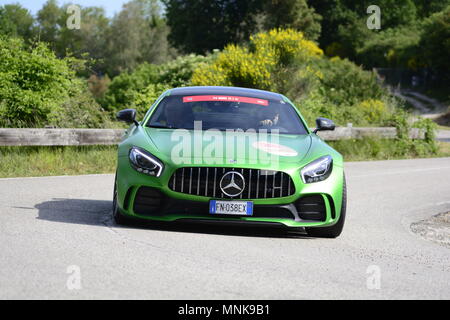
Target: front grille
[[204, 181], [311, 208]]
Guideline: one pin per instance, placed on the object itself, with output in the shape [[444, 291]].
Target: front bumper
[[172, 206]]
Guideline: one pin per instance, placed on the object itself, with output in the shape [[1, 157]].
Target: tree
[[137, 34], [199, 26], [335, 14], [403, 12], [435, 41], [49, 18], [353, 34], [16, 21], [90, 39], [344, 29], [294, 14], [427, 7], [394, 47]]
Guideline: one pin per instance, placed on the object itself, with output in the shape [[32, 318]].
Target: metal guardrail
[[59, 137], [82, 137], [341, 133]]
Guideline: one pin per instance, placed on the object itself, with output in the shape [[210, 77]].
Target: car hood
[[282, 147]]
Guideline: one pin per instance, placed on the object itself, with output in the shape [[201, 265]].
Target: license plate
[[244, 208]]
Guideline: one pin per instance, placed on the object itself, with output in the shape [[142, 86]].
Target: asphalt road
[[57, 240]]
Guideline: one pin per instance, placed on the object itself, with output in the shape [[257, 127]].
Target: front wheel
[[117, 216], [335, 230]]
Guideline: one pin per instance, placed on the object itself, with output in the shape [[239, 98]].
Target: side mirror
[[128, 116], [324, 124]]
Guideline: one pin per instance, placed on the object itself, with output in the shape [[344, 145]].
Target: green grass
[[50, 161], [388, 149], [439, 127]]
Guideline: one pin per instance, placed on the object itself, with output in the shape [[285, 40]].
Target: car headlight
[[318, 170], [144, 162]]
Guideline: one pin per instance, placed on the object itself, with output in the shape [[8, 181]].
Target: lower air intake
[[311, 208], [147, 201]]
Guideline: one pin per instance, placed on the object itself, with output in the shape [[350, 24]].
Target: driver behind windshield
[[270, 117]]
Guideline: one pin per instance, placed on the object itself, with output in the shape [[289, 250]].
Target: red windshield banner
[[226, 98]]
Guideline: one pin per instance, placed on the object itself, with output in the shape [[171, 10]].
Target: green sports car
[[229, 155]]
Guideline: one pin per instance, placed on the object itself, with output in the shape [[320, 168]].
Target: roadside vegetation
[[383, 149], [320, 54], [55, 161]]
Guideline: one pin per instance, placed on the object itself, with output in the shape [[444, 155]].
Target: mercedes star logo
[[232, 183]]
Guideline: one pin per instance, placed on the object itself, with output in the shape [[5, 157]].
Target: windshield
[[226, 112]]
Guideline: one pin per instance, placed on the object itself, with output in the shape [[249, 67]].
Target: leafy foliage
[[80, 110], [392, 48], [146, 97], [293, 14], [123, 89], [98, 85], [16, 21], [335, 87], [140, 88], [136, 35], [200, 26], [257, 65], [133, 49], [141, 31], [178, 72], [435, 40], [38, 89], [425, 8], [33, 83], [343, 82]]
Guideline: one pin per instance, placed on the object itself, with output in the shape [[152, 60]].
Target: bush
[[287, 46], [138, 88], [98, 85], [80, 110], [344, 83], [38, 89], [178, 72], [33, 83], [124, 88], [234, 66], [294, 14], [435, 41], [382, 149], [346, 93], [146, 97], [373, 111], [284, 61], [259, 64], [396, 47]]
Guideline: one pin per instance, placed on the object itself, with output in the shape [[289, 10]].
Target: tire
[[335, 230], [118, 217]]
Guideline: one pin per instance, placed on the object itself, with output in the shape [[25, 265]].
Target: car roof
[[232, 91]]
